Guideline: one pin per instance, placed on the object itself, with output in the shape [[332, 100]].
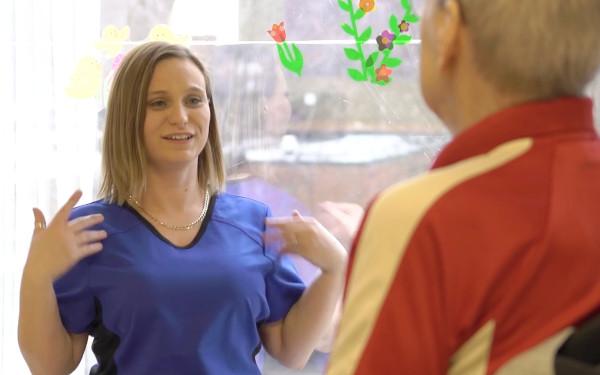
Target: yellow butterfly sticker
[[86, 79], [163, 33], [113, 39]]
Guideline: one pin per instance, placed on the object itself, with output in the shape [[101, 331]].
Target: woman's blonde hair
[[541, 48], [123, 152]]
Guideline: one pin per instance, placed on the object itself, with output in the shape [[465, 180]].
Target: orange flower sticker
[[366, 5], [383, 73], [277, 32]]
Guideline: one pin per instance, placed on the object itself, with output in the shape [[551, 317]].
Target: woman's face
[[177, 114], [278, 109]]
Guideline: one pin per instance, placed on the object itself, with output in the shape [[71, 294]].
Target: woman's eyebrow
[[157, 92], [196, 88], [163, 92]]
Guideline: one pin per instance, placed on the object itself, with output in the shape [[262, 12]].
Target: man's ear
[[449, 29]]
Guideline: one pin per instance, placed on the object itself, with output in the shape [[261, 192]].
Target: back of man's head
[[538, 48]]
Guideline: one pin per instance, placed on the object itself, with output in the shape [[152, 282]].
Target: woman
[[169, 275]]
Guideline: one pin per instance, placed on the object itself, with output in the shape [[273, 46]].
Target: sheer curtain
[[48, 141]]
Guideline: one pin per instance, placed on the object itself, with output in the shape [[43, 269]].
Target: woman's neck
[[172, 192]]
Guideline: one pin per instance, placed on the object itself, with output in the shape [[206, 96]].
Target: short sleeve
[[75, 301], [283, 285], [284, 288]]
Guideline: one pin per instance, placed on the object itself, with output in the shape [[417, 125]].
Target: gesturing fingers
[[292, 234], [85, 222], [65, 210], [289, 223], [89, 236], [280, 235], [290, 243], [90, 248], [88, 242], [279, 239]]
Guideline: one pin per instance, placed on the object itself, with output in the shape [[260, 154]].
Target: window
[[312, 138]]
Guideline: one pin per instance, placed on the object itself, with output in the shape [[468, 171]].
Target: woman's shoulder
[[245, 214], [230, 202], [116, 218]]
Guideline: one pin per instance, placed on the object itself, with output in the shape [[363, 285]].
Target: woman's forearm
[[46, 346], [293, 339], [310, 318]]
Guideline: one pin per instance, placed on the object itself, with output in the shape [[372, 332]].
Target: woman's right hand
[[59, 246]]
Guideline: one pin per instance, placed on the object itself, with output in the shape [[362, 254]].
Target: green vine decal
[[352, 30], [409, 15], [385, 41]]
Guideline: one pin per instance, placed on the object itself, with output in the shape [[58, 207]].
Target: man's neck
[[475, 100]]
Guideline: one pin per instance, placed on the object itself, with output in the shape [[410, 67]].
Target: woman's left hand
[[306, 237]]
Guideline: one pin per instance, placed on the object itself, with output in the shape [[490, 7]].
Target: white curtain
[[48, 141]]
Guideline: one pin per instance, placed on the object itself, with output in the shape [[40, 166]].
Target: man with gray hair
[[484, 264]]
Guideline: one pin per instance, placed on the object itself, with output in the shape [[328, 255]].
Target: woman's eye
[[158, 104], [196, 100]]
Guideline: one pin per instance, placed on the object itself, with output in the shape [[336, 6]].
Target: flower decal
[[404, 26], [277, 32], [385, 40], [375, 64], [366, 5], [383, 73], [289, 53]]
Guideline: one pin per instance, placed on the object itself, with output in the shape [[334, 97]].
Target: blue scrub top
[[155, 308]]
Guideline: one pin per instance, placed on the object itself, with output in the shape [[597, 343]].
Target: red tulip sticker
[[292, 58], [277, 32]]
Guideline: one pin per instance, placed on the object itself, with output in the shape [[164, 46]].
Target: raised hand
[[306, 237], [59, 246], [342, 219]]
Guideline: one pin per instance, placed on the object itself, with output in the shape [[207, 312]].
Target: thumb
[[40, 220], [296, 214]]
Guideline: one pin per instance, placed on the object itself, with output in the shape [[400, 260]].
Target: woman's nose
[[178, 115]]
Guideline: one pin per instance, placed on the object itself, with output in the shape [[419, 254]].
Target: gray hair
[[541, 48]]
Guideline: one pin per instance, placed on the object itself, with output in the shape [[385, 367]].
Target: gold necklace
[[175, 227]]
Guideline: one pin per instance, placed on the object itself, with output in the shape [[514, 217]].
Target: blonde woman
[[168, 274]]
